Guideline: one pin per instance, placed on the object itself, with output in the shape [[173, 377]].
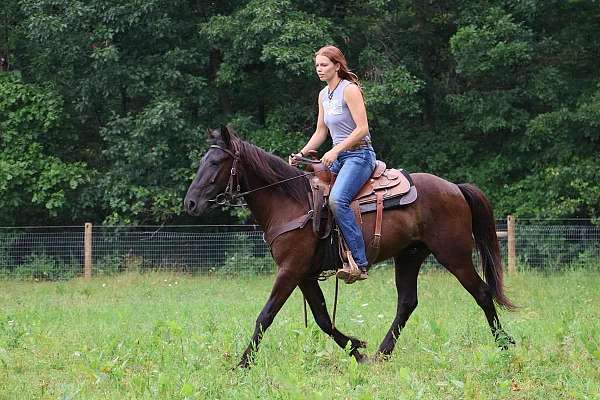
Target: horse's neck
[[270, 207]]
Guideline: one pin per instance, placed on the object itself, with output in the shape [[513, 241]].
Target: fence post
[[512, 251], [87, 248]]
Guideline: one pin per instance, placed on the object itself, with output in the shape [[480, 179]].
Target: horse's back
[[429, 183], [439, 198], [442, 211]]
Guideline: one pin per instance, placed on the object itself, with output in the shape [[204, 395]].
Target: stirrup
[[350, 272]]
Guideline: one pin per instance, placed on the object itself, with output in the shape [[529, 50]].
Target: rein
[[273, 184], [230, 194]]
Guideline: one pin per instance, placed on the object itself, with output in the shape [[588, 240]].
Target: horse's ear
[[226, 135], [210, 135]]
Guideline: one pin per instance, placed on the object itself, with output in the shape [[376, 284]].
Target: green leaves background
[[103, 109]]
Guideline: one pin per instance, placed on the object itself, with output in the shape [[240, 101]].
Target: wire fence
[[58, 253]]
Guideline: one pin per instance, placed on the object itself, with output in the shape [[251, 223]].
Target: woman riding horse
[[443, 221], [352, 158]]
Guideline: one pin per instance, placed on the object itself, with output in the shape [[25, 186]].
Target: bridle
[[233, 191], [228, 194]]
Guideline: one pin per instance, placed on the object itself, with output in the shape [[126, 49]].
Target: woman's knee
[[336, 201]]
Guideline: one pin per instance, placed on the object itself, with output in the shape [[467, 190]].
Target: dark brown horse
[[443, 221]]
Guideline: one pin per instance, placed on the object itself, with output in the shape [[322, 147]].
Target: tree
[[500, 93], [35, 184]]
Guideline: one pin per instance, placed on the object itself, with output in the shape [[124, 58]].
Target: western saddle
[[387, 188]]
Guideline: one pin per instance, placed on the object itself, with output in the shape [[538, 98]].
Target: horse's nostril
[[191, 205]]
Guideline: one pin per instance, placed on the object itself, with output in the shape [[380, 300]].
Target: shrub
[[243, 259], [42, 267]]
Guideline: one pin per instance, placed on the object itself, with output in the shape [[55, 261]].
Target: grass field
[[176, 337]]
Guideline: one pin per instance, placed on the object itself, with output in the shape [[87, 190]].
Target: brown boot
[[363, 275], [350, 272]]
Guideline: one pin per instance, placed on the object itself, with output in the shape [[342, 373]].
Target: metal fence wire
[[57, 253]]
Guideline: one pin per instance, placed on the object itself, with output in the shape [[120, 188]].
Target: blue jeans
[[353, 169]]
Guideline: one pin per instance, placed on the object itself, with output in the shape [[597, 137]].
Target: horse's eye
[[214, 162]]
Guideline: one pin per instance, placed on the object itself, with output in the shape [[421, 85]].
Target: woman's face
[[326, 69]]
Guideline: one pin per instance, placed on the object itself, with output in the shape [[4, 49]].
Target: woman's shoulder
[[351, 88], [323, 92], [344, 84]]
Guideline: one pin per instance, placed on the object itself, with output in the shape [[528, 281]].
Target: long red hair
[[337, 57]]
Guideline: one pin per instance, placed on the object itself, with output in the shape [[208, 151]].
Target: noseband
[[230, 194]]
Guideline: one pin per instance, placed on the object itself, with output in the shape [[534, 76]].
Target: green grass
[[176, 337]]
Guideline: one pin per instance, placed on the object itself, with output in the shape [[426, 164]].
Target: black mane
[[272, 169]]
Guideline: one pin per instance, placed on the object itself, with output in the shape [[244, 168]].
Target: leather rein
[[233, 191]]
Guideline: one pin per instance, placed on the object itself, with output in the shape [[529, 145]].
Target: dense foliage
[[104, 104]]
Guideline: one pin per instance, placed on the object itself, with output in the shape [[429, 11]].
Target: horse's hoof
[[504, 341], [380, 357]]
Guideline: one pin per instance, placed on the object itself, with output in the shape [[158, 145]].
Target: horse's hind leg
[[407, 266], [314, 296], [461, 266]]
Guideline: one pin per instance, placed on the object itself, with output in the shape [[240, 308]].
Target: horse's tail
[[484, 231]]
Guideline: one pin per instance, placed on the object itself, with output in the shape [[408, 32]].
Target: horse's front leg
[[314, 296], [285, 283]]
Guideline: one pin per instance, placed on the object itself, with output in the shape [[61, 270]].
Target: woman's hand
[[329, 157], [294, 157]]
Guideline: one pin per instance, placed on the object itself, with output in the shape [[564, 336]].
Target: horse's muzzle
[[192, 207]]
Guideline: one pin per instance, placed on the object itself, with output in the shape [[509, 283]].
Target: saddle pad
[[391, 202]]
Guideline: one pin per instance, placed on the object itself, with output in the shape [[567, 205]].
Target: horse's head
[[216, 174]]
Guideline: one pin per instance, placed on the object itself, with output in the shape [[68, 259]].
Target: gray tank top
[[337, 116]]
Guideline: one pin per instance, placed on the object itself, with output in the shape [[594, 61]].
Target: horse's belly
[[398, 231]]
